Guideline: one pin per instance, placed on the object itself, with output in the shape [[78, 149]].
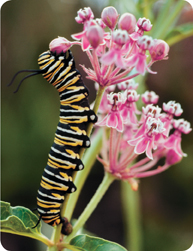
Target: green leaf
[[18, 219], [87, 243]]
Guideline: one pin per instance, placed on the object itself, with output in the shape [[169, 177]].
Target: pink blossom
[[143, 24], [182, 125], [115, 54], [128, 85], [174, 140], [139, 59], [94, 35], [128, 108], [127, 22], [110, 17], [84, 15], [159, 50], [113, 119], [172, 108], [146, 142], [150, 97], [59, 45], [151, 111]]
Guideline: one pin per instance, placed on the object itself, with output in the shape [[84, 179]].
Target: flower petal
[[119, 126], [108, 58], [85, 43], [112, 120], [142, 145], [79, 35]]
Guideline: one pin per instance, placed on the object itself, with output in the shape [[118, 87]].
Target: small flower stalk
[[152, 132]]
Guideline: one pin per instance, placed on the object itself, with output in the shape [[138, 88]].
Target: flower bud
[[94, 35], [159, 50], [144, 24], [127, 22], [84, 15], [110, 17], [59, 45], [120, 37]]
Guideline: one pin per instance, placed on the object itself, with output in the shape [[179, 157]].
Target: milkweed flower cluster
[[115, 45], [153, 131], [118, 51]]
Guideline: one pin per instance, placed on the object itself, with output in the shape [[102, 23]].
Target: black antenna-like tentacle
[[39, 71], [33, 74]]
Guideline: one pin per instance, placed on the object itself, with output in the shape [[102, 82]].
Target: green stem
[[131, 216], [57, 231], [178, 38], [162, 31], [162, 15], [107, 180], [88, 159]]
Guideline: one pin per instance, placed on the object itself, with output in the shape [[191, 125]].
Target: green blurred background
[[29, 120]]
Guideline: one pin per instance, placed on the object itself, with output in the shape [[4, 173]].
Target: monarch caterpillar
[[75, 114]]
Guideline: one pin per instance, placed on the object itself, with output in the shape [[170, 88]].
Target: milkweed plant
[[121, 49]]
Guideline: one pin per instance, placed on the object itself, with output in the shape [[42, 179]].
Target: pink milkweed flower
[[148, 111], [149, 97], [143, 24], [159, 50], [127, 22], [128, 108], [59, 45], [128, 85], [172, 109], [114, 119], [115, 54], [174, 140], [94, 35], [84, 15], [110, 17], [146, 142], [139, 58], [182, 125]]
